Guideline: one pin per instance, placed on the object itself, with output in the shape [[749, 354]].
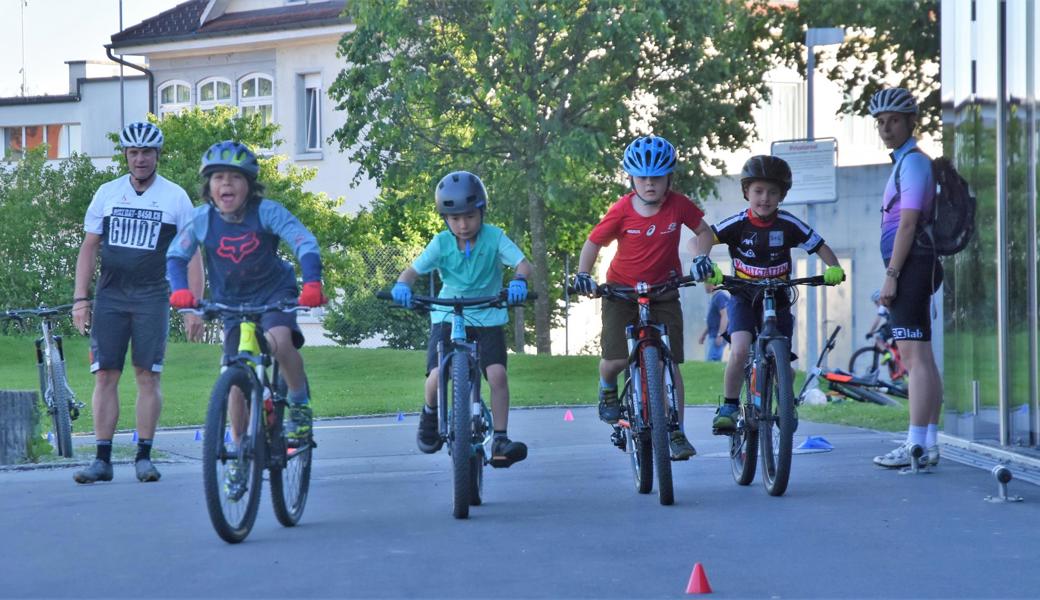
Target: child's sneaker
[[680, 447], [298, 427], [428, 438], [609, 407], [505, 452], [725, 421]]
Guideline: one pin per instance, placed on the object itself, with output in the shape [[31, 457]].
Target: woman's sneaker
[[98, 470], [428, 438], [933, 455], [899, 457]]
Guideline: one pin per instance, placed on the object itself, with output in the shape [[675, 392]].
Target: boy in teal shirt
[[469, 256]]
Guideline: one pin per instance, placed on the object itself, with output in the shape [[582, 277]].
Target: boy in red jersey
[[646, 223]]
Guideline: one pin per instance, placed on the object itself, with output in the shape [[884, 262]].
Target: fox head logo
[[237, 248]]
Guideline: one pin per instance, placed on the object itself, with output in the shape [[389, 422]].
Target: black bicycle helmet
[[460, 192], [768, 168]]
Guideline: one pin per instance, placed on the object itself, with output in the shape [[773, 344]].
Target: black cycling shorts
[[910, 314], [491, 345], [119, 321]]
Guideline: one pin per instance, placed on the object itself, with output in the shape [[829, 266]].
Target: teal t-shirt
[[479, 274]]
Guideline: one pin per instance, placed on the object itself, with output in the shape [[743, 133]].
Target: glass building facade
[[990, 69]]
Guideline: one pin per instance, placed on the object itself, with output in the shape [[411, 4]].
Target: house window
[[17, 140], [174, 96], [213, 92], [310, 128], [256, 95]]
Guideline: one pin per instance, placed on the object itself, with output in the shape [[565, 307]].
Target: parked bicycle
[[58, 397], [849, 385], [245, 431], [768, 416], [643, 429], [465, 423], [880, 360]]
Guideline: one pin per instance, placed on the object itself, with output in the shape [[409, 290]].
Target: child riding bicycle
[[469, 256], [240, 231], [646, 222], [760, 241]]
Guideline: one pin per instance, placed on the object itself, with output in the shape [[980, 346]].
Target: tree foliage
[[888, 42], [539, 97]]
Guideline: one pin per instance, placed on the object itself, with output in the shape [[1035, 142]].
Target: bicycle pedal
[[682, 459], [501, 462]]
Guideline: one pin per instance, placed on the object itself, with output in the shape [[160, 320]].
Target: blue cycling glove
[[584, 284], [517, 291], [702, 268], [402, 294]]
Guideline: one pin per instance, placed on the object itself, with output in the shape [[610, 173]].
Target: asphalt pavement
[[565, 523]]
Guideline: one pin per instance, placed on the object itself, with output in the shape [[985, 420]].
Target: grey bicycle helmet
[[897, 100], [460, 192], [141, 135], [230, 154], [768, 168]]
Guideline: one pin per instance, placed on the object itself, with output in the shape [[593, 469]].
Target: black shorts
[[117, 321], [491, 345], [747, 316], [268, 320], [909, 315]]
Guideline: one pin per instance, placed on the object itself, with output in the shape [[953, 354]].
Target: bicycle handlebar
[[729, 280], [453, 302], [211, 310], [640, 289], [42, 311]]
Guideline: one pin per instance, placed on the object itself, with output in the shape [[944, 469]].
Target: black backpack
[[952, 222]]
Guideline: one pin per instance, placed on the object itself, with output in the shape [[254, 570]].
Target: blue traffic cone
[[198, 435], [815, 442], [50, 438], [227, 436], [134, 439], [400, 416]]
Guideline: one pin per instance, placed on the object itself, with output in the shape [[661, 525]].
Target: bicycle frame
[[459, 345]]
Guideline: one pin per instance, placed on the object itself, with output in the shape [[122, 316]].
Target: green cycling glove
[[834, 275]]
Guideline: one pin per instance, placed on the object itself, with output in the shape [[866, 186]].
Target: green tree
[[887, 42], [42, 226], [539, 97]]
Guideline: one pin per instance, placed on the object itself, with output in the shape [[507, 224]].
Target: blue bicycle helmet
[[897, 100], [230, 154], [649, 156]]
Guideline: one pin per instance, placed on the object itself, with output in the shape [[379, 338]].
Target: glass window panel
[[166, 95], [266, 87], [183, 94], [206, 92], [249, 88], [223, 90]]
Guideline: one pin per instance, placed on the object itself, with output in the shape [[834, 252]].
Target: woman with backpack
[[912, 269]]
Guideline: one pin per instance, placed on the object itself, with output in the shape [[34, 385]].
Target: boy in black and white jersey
[[760, 240], [130, 223]]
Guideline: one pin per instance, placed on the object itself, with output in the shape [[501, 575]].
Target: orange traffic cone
[[698, 581]]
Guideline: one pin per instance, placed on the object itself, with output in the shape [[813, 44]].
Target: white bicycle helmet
[[897, 100], [141, 135]]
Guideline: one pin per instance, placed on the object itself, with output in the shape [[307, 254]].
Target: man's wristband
[[893, 273], [82, 299]]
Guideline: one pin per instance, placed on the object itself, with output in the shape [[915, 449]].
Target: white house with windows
[[275, 58], [76, 122]]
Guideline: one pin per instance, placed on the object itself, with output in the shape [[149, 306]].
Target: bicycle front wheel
[[461, 435], [654, 387], [743, 442], [59, 411], [232, 474], [865, 361], [777, 422]]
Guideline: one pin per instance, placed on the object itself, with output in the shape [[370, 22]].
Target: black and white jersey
[[762, 249], [135, 232]]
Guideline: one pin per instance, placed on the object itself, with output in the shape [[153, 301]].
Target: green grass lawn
[[352, 381]]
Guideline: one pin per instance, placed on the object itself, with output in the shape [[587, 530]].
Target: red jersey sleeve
[[609, 227]]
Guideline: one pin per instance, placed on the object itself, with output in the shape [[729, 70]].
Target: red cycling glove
[[311, 295], [183, 299]]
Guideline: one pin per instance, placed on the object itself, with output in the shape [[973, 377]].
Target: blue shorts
[[745, 317], [268, 321], [118, 321]]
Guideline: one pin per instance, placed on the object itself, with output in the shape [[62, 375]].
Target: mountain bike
[[245, 431], [768, 416], [58, 397], [465, 424], [643, 429], [880, 359], [863, 389]]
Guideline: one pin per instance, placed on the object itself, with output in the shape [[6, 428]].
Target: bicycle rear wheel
[[863, 394], [743, 443], [291, 476], [461, 435], [232, 475], [654, 386], [777, 423], [59, 411]]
